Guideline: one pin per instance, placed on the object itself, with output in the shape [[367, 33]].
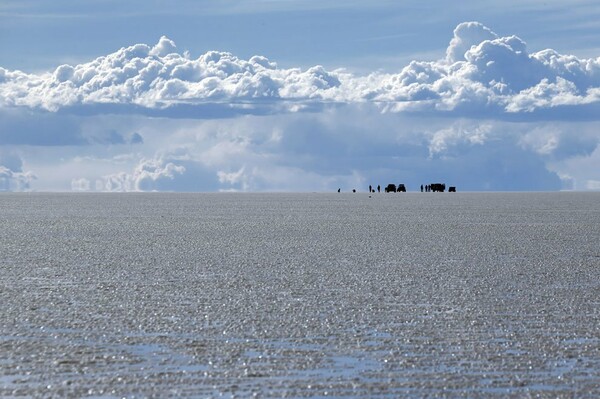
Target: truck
[[438, 187], [392, 188]]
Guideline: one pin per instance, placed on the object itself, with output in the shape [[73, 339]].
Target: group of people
[[424, 188], [371, 189]]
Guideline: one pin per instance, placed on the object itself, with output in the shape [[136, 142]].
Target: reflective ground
[[300, 295]]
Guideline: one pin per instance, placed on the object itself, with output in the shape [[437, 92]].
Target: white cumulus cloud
[[149, 175], [12, 175], [489, 114], [481, 72]]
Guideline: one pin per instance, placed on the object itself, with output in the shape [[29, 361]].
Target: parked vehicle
[[438, 187]]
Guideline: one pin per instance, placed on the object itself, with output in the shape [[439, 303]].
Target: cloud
[[12, 176], [489, 115], [558, 142], [482, 74], [20, 126], [446, 138], [349, 147], [143, 78], [164, 47], [149, 175], [467, 35], [81, 184]]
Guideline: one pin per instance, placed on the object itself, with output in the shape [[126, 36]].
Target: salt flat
[[300, 295]]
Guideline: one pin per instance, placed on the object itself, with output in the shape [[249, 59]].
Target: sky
[[302, 95]]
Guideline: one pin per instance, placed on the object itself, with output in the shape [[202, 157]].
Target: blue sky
[[281, 95]]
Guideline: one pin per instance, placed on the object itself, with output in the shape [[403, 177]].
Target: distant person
[[370, 189], [378, 188], [339, 189], [421, 188]]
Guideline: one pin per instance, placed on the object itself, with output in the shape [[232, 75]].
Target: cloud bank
[[482, 73], [488, 115]]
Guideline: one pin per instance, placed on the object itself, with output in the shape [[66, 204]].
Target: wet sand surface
[[300, 295]]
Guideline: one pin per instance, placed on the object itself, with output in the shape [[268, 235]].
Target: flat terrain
[[300, 295]]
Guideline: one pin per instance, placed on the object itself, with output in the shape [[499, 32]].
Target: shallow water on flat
[[300, 295]]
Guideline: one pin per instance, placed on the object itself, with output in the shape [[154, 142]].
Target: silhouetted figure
[[378, 188], [339, 190], [421, 188], [370, 189]]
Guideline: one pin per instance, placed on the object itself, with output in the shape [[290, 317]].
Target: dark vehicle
[[438, 187], [401, 188], [391, 188], [451, 189]]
